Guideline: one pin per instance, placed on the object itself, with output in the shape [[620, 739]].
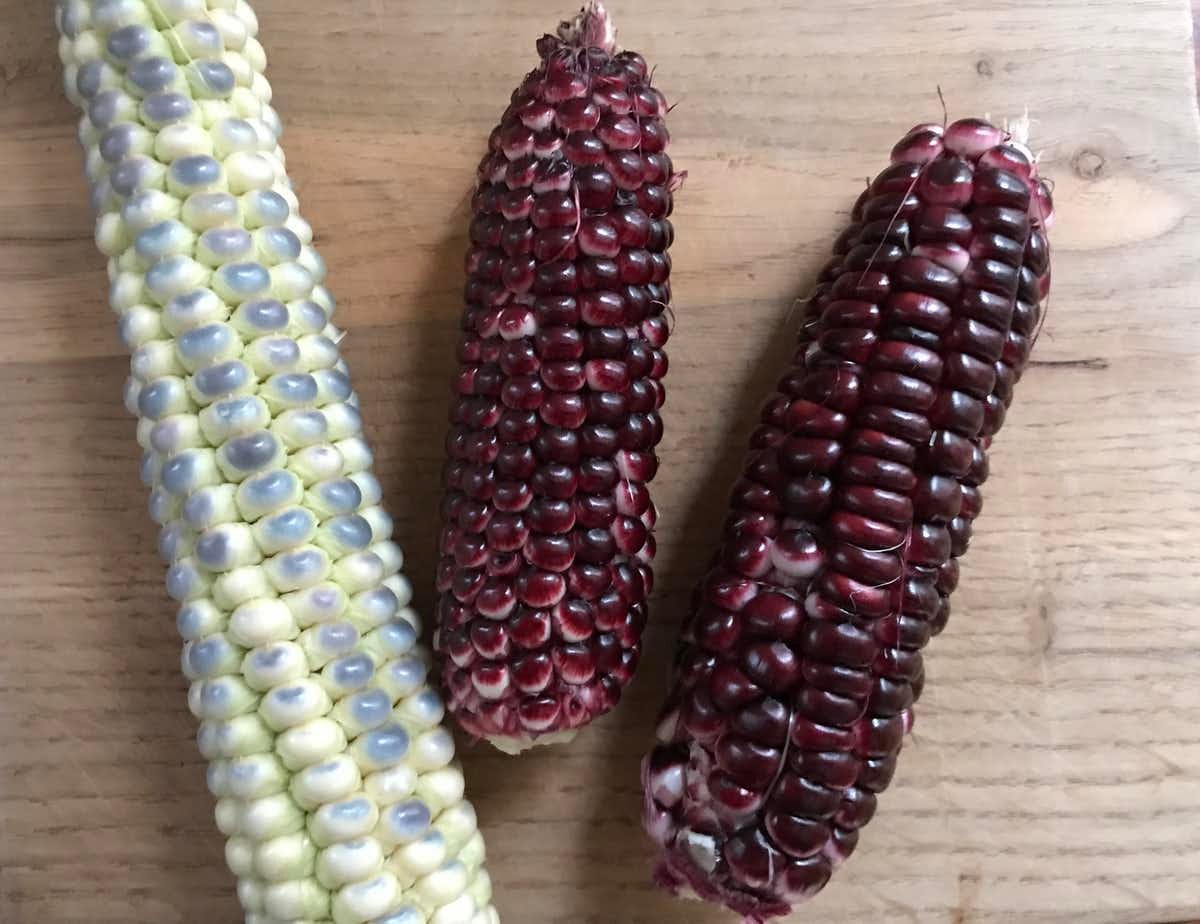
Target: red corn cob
[[801, 657], [546, 541]]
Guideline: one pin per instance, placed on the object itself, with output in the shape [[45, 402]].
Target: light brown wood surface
[[1054, 771]]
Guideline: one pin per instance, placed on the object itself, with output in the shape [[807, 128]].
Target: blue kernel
[[103, 108], [162, 108], [87, 80], [128, 42], [311, 316], [428, 703], [353, 671], [163, 273], [370, 708], [351, 531], [325, 598], [397, 637], [293, 387], [386, 746], [269, 658], [190, 619], [272, 207], [335, 384], [267, 314], [213, 549], [337, 637], [282, 352], [204, 343], [246, 278], [116, 143], [182, 579], [289, 527], [205, 656], [198, 509], [222, 378], [179, 472], [252, 451], [214, 696], [156, 241], [407, 674], [270, 489], [196, 170], [216, 76], [287, 695], [283, 241], [409, 820], [170, 537], [236, 413], [341, 494], [301, 564], [227, 242], [127, 176], [151, 74]]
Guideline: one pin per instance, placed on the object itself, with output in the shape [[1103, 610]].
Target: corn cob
[[801, 657], [334, 777], [546, 542]]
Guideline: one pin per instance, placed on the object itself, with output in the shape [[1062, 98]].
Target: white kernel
[[273, 665], [294, 704], [233, 588], [247, 170], [290, 856], [255, 776], [181, 139], [155, 359], [232, 29], [228, 815], [441, 788], [271, 816], [359, 571], [315, 463], [323, 602], [350, 861], [112, 236], [432, 749], [126, 290], [297, 900], [458, 824], [391, 785], [198, 619], [260, 622], [221, 698], [420, 857], [362, 901], [239, 856], [250, 894], [310, 743], [356, 454], [147, 208], [240, 736], [444, 887], [329, 781], [290, 281], [354, 817]]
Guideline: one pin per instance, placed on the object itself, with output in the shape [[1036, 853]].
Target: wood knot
[[1088, 164], [983, 67]]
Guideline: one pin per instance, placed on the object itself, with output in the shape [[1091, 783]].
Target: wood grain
[[1054, 772]]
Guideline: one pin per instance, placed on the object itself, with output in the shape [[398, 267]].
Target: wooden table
[[1054, 773]]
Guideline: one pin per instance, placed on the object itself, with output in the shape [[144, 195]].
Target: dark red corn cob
[[801, 657], [547, 538]]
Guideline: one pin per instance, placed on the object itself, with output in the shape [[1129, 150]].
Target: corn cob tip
[[516, 744], [592, 27]]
